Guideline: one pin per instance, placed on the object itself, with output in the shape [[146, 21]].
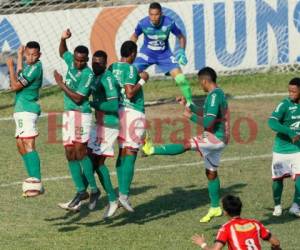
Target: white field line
[[169, 166], [237, 97]]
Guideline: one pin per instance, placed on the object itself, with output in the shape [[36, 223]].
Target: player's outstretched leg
[[214, 195], [277, 188], [166, 149], [184, 86], [294, 210]]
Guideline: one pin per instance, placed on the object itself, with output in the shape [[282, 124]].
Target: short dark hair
[[82, 50], [33, 45], [100, 53], [208, 71], [128, 48], [155, 5], [232, 205], [295, 81]]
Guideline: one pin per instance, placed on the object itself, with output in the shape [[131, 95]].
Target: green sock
[[88, 171], [85, 181], [297, 191], [104, 177], [119, 172], [32, 164], [277, 187], [214, 192], [128, 162], [169, 149], [76, 174], [184, 86]]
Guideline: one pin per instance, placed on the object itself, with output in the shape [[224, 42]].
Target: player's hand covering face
[[99, 65]]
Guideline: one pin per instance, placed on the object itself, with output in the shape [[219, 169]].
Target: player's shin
[[104, 177], [32, 163], [277, 188], [76, 174], [214, 191], [169, 149], [87, 167], [297, 191], [184, 86]]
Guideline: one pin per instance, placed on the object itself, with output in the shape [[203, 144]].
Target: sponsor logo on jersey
[[244, 228]]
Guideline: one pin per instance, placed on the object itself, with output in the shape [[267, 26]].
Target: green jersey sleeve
[[68, 58], [85, 83], [132, 76], [29, 74], [278, 113]]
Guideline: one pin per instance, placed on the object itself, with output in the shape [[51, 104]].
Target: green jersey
[[105, 88], [78, 81], [31, 77], [287, 114], [214, 113], [127, 74]]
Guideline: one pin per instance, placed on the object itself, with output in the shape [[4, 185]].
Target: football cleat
[[294, 210], [212, 212], [148, 148], [124, 201], [277, 211], [94, 197], [110, 209], [66, 206]]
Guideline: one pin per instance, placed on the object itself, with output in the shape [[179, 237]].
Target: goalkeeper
[[156, 50]]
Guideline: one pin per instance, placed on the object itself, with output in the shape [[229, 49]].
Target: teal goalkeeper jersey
[[31, 77], [127, 74], [287, 113], [215, 109]]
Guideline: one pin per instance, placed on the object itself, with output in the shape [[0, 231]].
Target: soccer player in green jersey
[[132, 118], [211, 143], [77, 119], [285, 121], [156, 28], [105, 93], [26, 82]]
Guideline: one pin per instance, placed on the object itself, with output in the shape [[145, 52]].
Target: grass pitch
[[169, 194]]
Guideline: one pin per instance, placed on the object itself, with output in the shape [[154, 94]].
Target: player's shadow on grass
[[284, 218], [68, 220], [179, 200]]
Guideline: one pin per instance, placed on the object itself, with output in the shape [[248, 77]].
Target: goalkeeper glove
[[181, 57]]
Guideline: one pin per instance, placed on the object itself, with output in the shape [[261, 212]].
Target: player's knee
[[211, 175], [28, 145], [70, 153], [187, 145]]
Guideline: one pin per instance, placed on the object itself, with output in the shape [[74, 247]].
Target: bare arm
[[131, 90], [134, 37], [275, 243], [15, 85], [63, 44], [77, 98], [182, 41], [20, 59]]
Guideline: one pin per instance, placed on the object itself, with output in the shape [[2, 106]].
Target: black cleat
[[94, 197], [80, 196]]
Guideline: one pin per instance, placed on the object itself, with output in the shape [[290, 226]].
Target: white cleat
[[65, 206], [294, 210], [277, 211], [124, 201], [110, 209]]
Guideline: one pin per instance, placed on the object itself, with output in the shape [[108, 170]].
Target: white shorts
[[132, 128], [102, 140], [210, 147], [76, 127], [285, 165], [25, 125]]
